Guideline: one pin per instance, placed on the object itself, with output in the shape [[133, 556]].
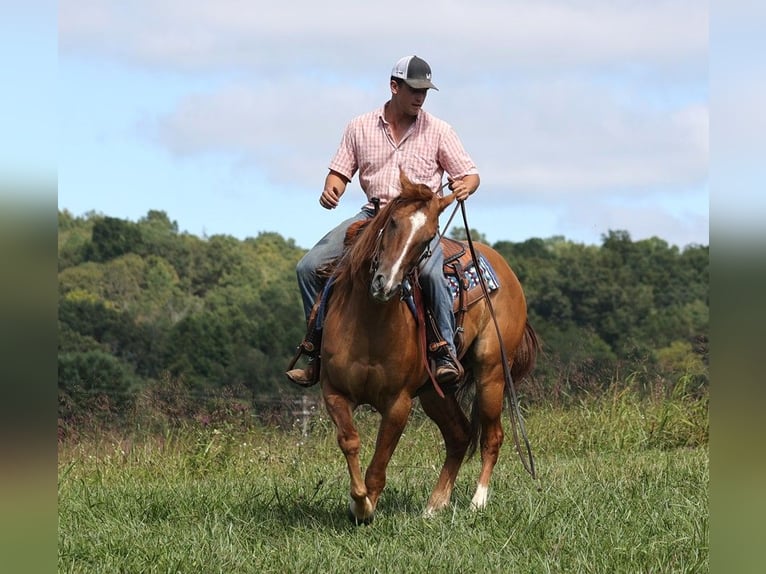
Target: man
[[399, 135]]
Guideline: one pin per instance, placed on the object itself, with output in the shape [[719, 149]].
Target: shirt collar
[[382, 116]]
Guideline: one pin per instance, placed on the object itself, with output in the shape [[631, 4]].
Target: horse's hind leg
[[340, 410], [453, 424], [489, 394]]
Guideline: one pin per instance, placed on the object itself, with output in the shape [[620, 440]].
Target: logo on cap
[[414, 71]]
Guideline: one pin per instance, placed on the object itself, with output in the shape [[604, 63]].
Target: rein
[[516, 418], [517, 422], [417, 295]]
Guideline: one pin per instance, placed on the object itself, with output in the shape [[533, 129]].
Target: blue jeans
[[435, 286]]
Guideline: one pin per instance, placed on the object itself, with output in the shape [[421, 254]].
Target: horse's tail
[[525, 358]]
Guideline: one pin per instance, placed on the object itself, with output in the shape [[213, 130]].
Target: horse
[[371, 353]]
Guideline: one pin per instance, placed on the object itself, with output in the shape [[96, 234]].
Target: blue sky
[[582, 115], [28, 148]]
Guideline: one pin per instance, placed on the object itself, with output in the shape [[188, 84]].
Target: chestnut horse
[[372, 354]]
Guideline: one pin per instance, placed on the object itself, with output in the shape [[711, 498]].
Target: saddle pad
[[471, 280]]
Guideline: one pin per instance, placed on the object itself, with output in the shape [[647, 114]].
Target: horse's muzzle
[[380, 291]]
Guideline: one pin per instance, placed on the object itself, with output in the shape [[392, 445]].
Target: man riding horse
[[398, 137]]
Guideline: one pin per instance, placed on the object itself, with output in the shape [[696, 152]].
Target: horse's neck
[[364, 306]]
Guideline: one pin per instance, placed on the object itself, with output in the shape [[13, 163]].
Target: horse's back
[[506, 304]]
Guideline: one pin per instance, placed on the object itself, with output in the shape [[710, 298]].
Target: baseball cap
[[414, 71]]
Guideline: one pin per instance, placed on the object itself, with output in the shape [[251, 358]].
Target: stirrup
[[438, 348], [448, 372], [446, 367], [307, 377], [305, 348]]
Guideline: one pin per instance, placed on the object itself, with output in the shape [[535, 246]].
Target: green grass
[[622, 488]]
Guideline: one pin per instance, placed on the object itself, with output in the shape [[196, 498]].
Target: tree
[[113, 237], [460, 234], [94, 384], [139, 303]]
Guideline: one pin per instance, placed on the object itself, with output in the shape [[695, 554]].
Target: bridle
[[517, 421], [375, 260]]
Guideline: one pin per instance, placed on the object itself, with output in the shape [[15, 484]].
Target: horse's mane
[[362, 238]]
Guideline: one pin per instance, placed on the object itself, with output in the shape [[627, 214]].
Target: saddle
[[462, 274], [460, 271]]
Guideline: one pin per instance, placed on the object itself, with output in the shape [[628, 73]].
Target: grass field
[[622, 488]]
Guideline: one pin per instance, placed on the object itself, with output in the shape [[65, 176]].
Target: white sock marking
[[479, 499]]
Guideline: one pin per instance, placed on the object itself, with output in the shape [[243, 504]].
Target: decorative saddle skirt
[[462, 274]]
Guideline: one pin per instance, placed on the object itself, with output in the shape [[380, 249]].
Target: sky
[[583, 116]]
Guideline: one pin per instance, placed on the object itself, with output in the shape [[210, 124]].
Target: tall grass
[[622, 488]]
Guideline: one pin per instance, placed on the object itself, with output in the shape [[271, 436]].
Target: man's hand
[[330, 197], [334, 186], [464, 186]]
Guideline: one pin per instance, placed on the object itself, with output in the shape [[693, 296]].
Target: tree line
[[142, 305]]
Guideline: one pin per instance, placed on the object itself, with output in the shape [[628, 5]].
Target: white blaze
[[417, 220]]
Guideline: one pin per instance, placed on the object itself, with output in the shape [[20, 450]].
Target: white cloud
[[345, 34], [562, 103], [540, 142], [276, 128]]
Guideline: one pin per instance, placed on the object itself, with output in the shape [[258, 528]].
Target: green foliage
[[113, 237], [94, 387], [605, 310], [460, 234], [223, 313], [200, 347], [74, 236], [217, 312]]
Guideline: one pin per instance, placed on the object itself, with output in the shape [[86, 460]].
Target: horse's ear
[[446, 201], [404, 180]]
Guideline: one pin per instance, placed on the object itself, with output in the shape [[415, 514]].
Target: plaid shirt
[[428, 149]]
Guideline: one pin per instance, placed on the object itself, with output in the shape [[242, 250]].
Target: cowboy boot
[[310, 346], [448, 371], [306, 377]]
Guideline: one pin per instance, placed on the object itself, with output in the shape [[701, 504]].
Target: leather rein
[[517, 421], [417, 295]]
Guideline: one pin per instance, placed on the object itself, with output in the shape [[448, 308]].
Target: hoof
[[359, 521]]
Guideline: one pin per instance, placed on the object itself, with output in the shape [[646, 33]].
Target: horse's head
[[409, 224]]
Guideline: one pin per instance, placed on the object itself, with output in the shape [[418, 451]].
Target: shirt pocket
[[421, 168]]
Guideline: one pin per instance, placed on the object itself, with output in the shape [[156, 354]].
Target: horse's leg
[[393, 421], [340, 411], [455, 429], [489, 394]]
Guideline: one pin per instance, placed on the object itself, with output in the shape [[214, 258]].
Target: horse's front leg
[[340, 410], [393, 420]]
